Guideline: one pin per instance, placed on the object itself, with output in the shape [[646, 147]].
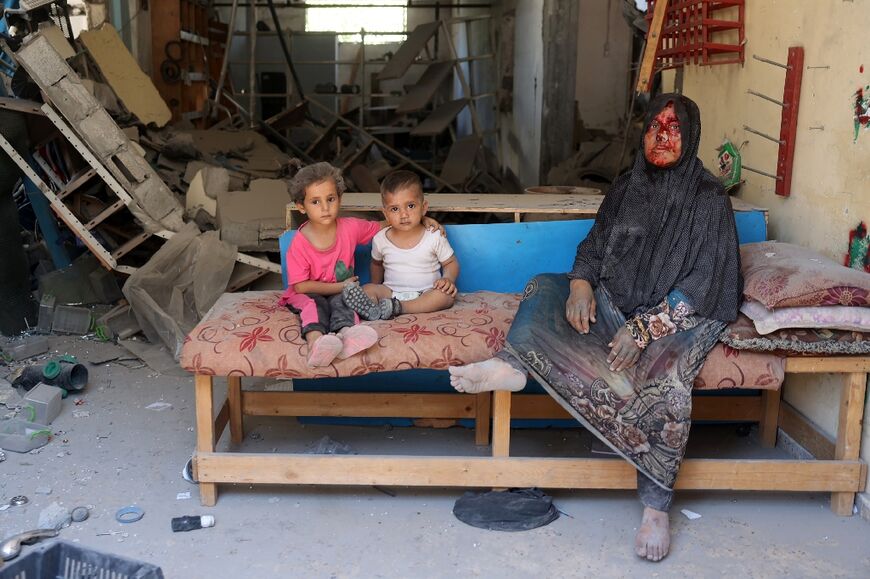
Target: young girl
[[320, 263]]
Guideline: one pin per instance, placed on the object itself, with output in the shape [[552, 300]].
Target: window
[[356, 16]]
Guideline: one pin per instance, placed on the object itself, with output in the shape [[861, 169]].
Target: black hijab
[[660, 229]]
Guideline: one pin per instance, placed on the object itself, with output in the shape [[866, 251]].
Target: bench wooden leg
[[234, 395], [482, 418], [849, 434], [767, 426], [501, 423], [205, 432]]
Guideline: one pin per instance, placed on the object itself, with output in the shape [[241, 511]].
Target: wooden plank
[[653, 39], [501, 423], [76, 182], [21, 105], [727, 408], [234, 402], [836, 364], [584, 206], [769, 417], [568, 473], [849, 434], [805, 433], [482, 417], [204, 434], [460, 160], [423, 92], [221, 420], [408, 52], [105, 214], [358, 404], [440, 119]]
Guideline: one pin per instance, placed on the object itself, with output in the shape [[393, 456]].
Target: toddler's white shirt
[[415, 269]]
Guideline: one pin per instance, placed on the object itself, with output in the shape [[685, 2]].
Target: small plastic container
[[22, 436], [42, 404], [63, 560]]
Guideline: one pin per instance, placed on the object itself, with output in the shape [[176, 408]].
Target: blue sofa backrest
[[504, 256]]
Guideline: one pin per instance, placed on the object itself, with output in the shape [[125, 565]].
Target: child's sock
[[355, 339], [324, 350], [389, 308], [357, 300]]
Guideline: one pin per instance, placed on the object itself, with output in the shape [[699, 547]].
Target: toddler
[[413, 270], [320, 264]]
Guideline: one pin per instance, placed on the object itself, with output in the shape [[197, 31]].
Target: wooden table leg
[[501, 423], [234, 395], [205, 432], [769, 417], [849, 434], [482, 418]]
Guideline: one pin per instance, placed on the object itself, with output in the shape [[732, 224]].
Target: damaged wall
[[603, 62], [831, 175], [521, 127]]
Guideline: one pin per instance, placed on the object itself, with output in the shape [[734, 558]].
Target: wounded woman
[[619, 340]]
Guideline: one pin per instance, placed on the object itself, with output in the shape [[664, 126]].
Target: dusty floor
[[122, 453]]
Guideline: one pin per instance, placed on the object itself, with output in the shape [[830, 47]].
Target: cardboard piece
[[121, 71], [253, 219]]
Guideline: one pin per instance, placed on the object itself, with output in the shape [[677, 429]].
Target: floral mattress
[[249, 334]]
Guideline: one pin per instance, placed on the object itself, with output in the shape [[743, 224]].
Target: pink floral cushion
[[816, 317], [742, 335], [249, 334], [726, 367], [782, 275]]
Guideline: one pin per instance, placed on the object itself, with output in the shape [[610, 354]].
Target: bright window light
[[357, 16]]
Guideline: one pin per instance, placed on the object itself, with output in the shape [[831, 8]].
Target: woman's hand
[[580, 307], [624, 351], [432, 225]]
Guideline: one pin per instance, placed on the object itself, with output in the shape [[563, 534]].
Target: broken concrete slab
[[55, 35], [252, 219], [197, 199], [156, 207], [121, 71]]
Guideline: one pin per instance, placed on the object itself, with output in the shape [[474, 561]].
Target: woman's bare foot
[[654, 536], [492, 374]]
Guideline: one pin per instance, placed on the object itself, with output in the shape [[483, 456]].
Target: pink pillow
[[782, 275], [828, 317]]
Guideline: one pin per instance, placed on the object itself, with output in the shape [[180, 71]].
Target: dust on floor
[[112, 451]]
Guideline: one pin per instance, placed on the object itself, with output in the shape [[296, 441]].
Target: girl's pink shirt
[[307, 263]]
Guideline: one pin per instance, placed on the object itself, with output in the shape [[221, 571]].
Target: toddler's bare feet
[[654, 536], [355, 339], [492, 374], [324, 350]]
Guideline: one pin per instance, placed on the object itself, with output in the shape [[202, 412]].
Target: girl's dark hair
[[313, 174]]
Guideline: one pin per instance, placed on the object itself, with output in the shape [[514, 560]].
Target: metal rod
[[778, 178], [225, 64], [773, 62], [252, 62], [766, 136], [767, 98]]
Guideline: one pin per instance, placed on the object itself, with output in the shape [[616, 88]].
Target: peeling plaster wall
[[831, 177], [521, 128], [603, 62]]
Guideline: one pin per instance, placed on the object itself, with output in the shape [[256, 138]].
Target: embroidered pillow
[[741, 335], [829, 317], [781, 275]]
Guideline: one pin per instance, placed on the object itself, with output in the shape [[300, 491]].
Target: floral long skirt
[[643, 413]]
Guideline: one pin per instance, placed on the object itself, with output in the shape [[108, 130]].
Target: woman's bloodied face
[[663, 143]]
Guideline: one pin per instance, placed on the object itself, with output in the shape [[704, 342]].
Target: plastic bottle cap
[[206, 521]]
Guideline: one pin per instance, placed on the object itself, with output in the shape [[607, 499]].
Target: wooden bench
[[504, 256]]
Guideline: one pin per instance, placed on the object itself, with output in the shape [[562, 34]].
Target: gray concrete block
[[104, 137], [72, 99], [134, 164], [42, 61]]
